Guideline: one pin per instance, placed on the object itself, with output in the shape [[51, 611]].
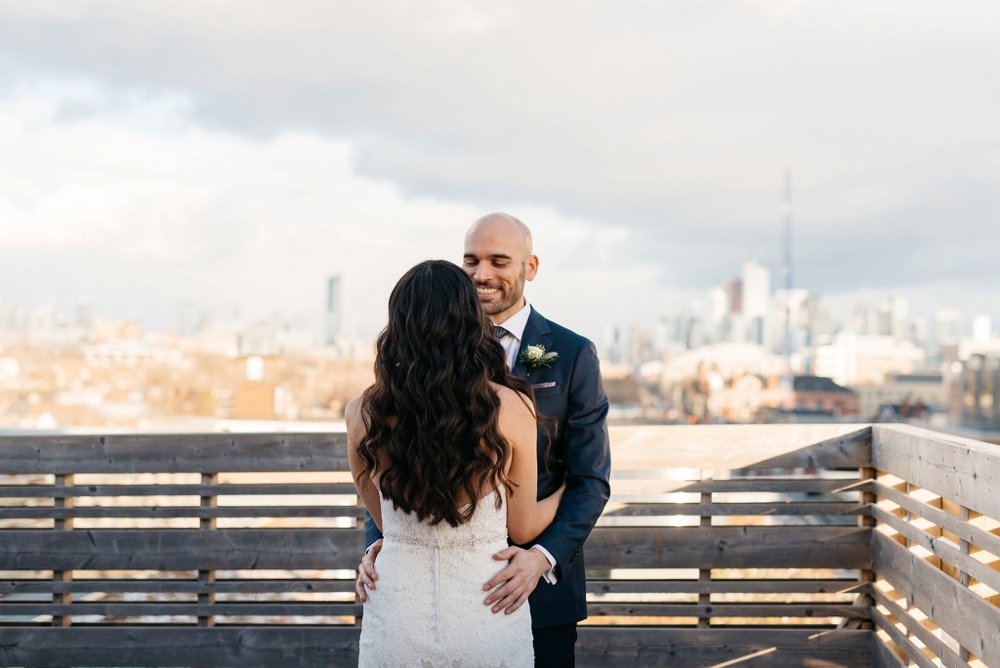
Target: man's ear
[[531, 268]]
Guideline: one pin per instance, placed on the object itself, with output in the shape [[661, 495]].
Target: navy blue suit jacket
[[573, 448]]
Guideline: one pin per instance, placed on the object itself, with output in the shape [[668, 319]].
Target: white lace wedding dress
[[428, 610]]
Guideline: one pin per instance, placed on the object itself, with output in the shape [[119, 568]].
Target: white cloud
[[647, 137], [255, 222]]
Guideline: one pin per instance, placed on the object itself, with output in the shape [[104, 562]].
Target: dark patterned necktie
[[500, 332]]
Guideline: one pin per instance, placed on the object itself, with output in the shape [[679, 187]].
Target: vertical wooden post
[[964, 578], [207, 524], [867, 575], [63, 524], [704, 574]]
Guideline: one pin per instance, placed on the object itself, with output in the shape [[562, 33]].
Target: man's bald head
[[498, 259], [503, 224]]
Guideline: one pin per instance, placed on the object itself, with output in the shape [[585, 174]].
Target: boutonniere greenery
[[535, 357]]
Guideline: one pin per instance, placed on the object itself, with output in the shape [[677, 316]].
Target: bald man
[[573, 447]]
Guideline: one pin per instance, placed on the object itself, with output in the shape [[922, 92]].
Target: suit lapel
[[536, 331]]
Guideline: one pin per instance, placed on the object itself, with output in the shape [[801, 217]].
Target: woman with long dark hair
[[442, 448]]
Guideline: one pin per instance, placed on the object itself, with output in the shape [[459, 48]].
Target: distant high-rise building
[[982, 328], [894, 318], [614, 346], [734, 294], [664, 336], [756, 280], [980, 380], [947, 327], [333, 311], [84, 314]]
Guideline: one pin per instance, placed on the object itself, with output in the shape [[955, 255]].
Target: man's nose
[[483, 273]]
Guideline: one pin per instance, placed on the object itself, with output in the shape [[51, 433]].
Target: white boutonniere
[[534, 357]]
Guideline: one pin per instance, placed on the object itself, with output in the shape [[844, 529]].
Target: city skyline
[[748, 291], [152, 160]]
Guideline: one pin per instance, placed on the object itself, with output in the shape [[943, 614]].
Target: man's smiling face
[[499, 261]]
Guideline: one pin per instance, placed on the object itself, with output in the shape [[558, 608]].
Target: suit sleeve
[[587, 461], [372, 533]]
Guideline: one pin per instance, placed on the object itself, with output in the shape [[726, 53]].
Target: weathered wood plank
[[594, 586], [222, 646], [735, 509], [778, 508], [767, 485], [174, 453], [735, 586], [940, 548], [948, 656], [913, 653], [48, 491], [309, 647], [780, 485], [180, 549], [972, 621], [754, 446], [882, 656], [166, 512], [812, 609], [599, 647], [961, 528], [177, 586], [146, 608], [728, 547], [960, 469]]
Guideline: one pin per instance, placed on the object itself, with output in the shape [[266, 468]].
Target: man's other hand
[[367, 575], [510, 588]]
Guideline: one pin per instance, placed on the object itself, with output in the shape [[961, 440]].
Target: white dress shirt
[[515, 324], [511, 343]]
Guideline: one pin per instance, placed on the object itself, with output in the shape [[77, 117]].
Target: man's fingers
[[499, 592], [360, 584], [517, 604], [506, 601], [367, 575], [506, 554], [359, 590], [503, 576], [368, 571]]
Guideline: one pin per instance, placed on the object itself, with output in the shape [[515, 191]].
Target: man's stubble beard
[[508, 299]]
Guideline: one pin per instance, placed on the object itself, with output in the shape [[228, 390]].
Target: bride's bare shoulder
[[513, 404], [354, 414]]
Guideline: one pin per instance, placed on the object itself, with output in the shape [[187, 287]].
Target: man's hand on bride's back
[[510, 588], [367, 574]]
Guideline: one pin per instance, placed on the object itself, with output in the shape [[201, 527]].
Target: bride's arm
[[526, 517], [364, 484]]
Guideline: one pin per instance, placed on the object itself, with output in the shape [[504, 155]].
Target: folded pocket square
[[542, 386]]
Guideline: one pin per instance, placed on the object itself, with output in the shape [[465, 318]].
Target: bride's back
[[430, 436], [431, 444]]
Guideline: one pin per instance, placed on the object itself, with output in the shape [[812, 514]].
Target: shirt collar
[[516, 323]]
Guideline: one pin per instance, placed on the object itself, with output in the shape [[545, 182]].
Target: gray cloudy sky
[[237, 152]]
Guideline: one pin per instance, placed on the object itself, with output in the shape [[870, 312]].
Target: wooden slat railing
[[722, 545], [182, 550], [733, 545], [936, 547]]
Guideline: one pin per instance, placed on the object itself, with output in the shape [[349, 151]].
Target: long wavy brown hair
[[431, 434]]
